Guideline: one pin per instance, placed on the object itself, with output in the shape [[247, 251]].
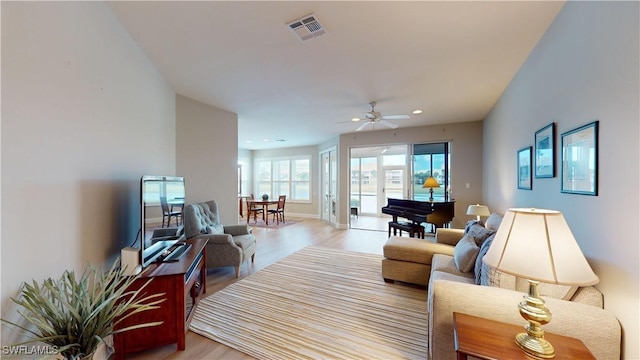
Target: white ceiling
[[451, 59]]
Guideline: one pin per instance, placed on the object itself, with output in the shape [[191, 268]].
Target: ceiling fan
[[373, 117]]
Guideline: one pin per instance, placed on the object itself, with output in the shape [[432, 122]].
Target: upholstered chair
[[229, 245]]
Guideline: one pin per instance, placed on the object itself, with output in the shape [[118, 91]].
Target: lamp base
[[534, 310], [535, 346]]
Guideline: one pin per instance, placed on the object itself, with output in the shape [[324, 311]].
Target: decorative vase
[[265, 197]]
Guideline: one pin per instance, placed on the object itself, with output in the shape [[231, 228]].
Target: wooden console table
[[184, 283], [489, 339]]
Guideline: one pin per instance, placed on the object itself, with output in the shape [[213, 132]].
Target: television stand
[[183, 282], [174, 252]]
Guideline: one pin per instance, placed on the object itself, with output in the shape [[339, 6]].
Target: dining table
[[251, 203]]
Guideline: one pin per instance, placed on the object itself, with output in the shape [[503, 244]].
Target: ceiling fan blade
[[395, 117], [363, 126], [386, 123]]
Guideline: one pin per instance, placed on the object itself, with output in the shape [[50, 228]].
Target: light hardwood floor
[[273, 244]]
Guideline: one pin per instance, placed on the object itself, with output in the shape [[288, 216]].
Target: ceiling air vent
[[307, 27]]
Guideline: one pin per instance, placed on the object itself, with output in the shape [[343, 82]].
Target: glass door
[[328, 186], [333, 186], [394, 184], [376, 174]]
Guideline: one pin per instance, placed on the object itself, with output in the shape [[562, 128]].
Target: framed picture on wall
[[580, 160], [544, 152], [524, 168]]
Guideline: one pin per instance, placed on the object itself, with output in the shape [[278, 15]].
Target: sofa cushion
[[444, 275], [244, 241], [215, 229], [413, 250], [445, 263], [465, 253]]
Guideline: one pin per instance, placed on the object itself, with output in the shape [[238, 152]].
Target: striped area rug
[[318, 303]]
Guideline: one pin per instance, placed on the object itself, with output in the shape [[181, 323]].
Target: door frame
[[328, 201]]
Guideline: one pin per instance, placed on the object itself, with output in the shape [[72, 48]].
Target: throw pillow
[[470, 223], [493, 221], [481, 253], [465, 253], [479, 233], [489, 276]]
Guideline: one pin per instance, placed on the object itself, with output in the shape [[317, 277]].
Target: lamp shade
[[478, 210], [538, 245], [431, 182]]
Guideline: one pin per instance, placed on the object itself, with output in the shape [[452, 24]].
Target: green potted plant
[[75, 316]]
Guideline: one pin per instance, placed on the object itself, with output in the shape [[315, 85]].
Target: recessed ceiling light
[[416, 112], [266, 140], [355, 119]]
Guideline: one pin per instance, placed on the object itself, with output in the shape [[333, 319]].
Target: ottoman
[[409, 259]]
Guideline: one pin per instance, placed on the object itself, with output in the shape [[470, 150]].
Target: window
[[431, 160], [288, 177]]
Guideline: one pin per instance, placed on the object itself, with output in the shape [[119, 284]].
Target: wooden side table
[[488, 339], [184, 283]]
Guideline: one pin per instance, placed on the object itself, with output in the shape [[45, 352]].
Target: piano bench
[[412, 229]]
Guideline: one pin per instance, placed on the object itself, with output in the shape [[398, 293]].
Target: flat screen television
[[157, 234]]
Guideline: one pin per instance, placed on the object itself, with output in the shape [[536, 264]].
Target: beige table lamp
[[538, 245], [478, 210]]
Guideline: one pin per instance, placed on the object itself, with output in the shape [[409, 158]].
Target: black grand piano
[[436, 213]]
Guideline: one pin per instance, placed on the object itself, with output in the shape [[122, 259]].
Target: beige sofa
[[576, 311]]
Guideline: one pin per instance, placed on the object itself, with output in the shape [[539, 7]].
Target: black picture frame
[[580, 160], [544, 154], [524, 169]]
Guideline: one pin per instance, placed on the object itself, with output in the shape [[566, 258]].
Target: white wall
[[585, 68], [207, 155], [84, 115], [302, 209], [466, 160]]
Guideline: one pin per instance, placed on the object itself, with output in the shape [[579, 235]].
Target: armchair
[[227, 245]]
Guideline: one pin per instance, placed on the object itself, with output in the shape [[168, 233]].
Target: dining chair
[[168, 213], [254, 210], [278, 212]]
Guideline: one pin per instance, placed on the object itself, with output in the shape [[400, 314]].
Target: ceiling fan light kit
[[375, 117]]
